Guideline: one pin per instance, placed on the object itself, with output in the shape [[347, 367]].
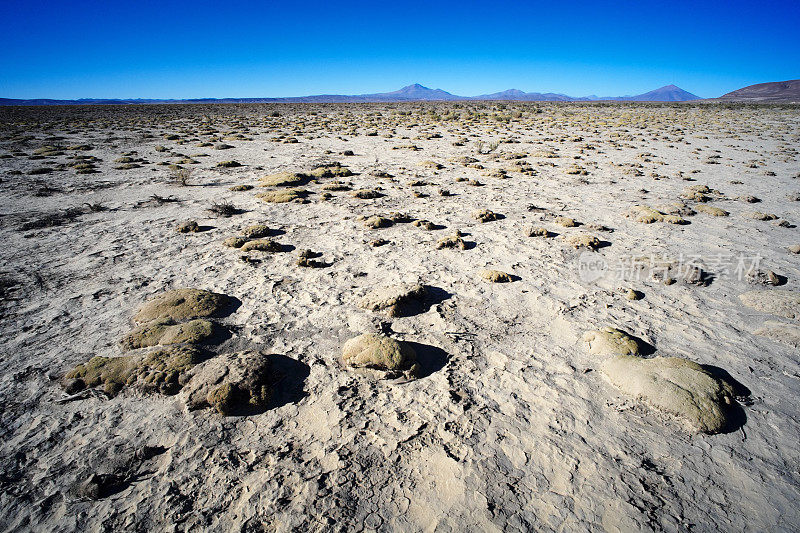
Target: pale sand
[[512, 428]]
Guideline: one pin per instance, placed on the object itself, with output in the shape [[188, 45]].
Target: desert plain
[[400, 317]]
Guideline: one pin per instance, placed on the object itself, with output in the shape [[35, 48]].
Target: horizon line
[[331, 94]]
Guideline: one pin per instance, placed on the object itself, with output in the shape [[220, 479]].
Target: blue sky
[[147, 49]]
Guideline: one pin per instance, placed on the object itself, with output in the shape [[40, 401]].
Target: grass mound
[[453, 241], [648, 215], [676, 386], [255, 231], [281, 197], [188, 227], [167, 332], [494, 276], [261, 245], [164, 371], [485, 215], [610, 341], [579, 241], [711, 210], [284, 179], [232, 383], [372, 350], [395, 300], [182, 304]]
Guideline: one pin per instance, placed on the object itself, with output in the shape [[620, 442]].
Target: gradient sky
[[147, 49]]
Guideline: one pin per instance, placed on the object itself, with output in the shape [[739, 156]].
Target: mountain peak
[[667, 93], [415, 91]]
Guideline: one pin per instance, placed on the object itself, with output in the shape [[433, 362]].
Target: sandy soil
[[511, 425]]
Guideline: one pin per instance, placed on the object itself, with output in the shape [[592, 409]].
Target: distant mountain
[[775, 91], [410, 93], [416, 92], [668, 93], [521, 96]]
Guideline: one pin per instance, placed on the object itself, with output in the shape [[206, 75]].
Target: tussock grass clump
[[306, 260], [677, 208], [48, 151], [399, 217], [113, 373], [747, 198], [167, 332], [395, 300], [255, 231], [758, 215], [700, 193], [261, 245], [330, 170], [39, 171], [382, 174], [494, 276], [610, 341], [711, 210], [234, 242], [367, 194], [485, 215], [234, 383], [380, 352], [648, 215], [676, 386], [463, 160], [452, 241], [536, 232], [228, 164], [763, 277], [577, 170], [631, 294], [336, 186], [52, 220], [424, 224], [566, 222], [223, 209], [239, 188], [181, 176], [163, 370], [284, 179], [579, 241], [284, 196], [182, 304], [376, 222], [188, 227]]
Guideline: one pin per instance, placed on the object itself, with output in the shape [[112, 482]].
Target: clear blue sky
[[147, 49]]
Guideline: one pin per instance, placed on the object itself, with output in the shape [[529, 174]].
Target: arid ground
[[487, 247]]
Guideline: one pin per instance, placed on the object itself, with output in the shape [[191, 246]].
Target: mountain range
[[410, 93], [782, 91]]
